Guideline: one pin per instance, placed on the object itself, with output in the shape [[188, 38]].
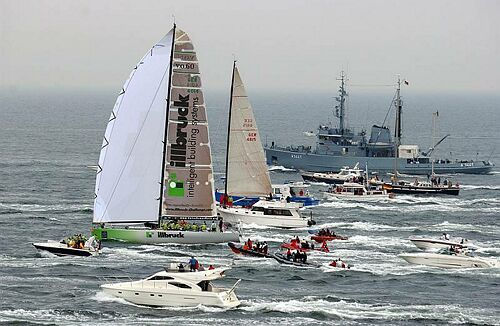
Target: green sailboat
[[155, 180]]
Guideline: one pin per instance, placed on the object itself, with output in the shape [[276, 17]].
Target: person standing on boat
[[192, 264], [265, 248]]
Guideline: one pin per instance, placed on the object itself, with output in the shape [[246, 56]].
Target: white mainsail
[[247, 172], [189, 182], [129, 172], [130, 163]]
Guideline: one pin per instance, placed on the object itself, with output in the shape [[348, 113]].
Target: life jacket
[[196, 265]]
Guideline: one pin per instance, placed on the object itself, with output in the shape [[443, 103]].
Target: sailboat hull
[[149, 236]]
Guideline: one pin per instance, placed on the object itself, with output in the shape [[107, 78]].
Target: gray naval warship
[[340, 146]]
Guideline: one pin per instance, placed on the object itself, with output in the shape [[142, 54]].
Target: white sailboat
[[155, 163], [246, 169]]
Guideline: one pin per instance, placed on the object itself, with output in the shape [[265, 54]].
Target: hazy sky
[[450, 45]]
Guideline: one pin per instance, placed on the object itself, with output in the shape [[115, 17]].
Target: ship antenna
[[340, 108]]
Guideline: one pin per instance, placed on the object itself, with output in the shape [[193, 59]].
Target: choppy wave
[[483, 187], [348, 310], [412, 204], [38, 208]]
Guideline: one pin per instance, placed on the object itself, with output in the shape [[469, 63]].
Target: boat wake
[[338, 308], [410, 204], [279, 168], [65, 208], [480, 187]]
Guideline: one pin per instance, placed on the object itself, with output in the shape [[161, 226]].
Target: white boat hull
[[357, 197], [236, 215], [447, 261], [161, 296]]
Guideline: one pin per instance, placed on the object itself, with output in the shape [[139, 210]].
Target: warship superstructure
[[339, 146]]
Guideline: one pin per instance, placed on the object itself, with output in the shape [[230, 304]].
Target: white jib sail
[[127, 183], [247, 172], [189, 181]]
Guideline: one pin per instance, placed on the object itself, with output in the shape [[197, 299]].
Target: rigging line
[[136, 138], [386, 115]]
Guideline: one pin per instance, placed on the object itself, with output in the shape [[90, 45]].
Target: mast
[[398, 103], [435, 115], [229, 131], [340, 108], [165, 134]]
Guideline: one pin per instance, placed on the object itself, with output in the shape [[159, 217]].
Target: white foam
[[280, 168], [361, 311]]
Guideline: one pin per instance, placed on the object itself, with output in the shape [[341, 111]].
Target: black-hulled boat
[[421, 188], [281, 258], [245, 252], [62, 249]]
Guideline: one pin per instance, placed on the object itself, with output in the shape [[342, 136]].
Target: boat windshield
[[160, 278], [180, 285]]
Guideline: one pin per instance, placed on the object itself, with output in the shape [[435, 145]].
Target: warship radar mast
[[340, 107]]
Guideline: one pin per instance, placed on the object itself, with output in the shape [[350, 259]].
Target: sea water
[[49, 138]]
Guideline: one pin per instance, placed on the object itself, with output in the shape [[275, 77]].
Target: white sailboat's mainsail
[[130, 163], [127, 183], [189, 182], [247, 172]]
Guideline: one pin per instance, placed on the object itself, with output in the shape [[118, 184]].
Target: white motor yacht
[[346, 173], [176, 288], [446, 258], [429, 244], [356, 190], [269, 213]]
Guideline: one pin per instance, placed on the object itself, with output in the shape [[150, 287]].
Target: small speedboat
[[176, 288], [239, 250], [325, 238], [282, 259], [63, 248], [304, 246], [429, 244], [446, 259], [325, 235]]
